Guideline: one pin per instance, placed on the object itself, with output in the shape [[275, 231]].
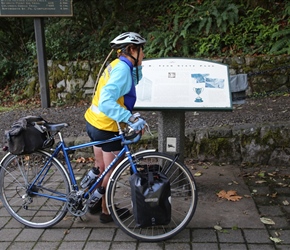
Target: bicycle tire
[[183, 197], [35, 211]]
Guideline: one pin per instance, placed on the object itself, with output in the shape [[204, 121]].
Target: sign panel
[[35, 8], [185, 84]]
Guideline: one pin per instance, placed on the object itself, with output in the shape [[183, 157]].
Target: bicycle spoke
[[183, 196], [34, 205]]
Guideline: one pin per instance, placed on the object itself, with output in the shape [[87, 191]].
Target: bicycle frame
[[62, 147], [38, 189]]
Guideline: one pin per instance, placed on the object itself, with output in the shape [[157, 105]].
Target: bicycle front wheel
[[37, 205], [183, 196]]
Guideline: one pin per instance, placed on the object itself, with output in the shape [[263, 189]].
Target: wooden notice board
[[35, 8]]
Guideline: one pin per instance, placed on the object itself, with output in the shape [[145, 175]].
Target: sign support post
[[42, 62], [38, 9], [171, 132]]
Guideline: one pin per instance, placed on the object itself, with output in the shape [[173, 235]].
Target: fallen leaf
[[261, 174], [222, 194], [259, 182], [81, 160], [282, 184], [197, 174], [232, 192], [267, 221], [217, 227], [235, 198], [91, 159], [285, 203], [84, 160], [276, 240], [231, 195]]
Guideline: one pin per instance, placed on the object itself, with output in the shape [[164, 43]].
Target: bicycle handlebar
[[133, 140]]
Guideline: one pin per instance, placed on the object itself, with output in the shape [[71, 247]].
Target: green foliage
[[218, 28], [252, 35], [282, 45], [6, 69], [216, 16], [282, 36], [178, 28]]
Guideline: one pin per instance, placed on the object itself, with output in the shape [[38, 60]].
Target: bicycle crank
[[76, 203]]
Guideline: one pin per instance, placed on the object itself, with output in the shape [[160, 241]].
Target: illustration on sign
[[183, 84], [202, 81]]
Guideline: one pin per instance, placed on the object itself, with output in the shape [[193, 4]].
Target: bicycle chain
[[76, 203]]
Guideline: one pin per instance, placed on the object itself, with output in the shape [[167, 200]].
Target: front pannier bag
[[26, 136], [151, 197]]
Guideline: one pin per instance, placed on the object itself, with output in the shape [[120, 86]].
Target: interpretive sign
[[184, 84], [35, 8]]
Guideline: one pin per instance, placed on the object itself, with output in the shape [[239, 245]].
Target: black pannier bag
[[151, 198], [26, 136]]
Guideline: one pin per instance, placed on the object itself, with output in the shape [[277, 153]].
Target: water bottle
[[96, 196], [90, 178]]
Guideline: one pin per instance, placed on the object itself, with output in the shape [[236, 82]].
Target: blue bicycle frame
[[62, 147]]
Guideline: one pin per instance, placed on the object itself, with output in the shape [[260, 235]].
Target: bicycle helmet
[[127, 38]]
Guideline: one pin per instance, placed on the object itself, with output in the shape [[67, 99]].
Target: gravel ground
[[268, 109]]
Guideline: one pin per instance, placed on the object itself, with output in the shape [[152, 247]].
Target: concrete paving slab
[[212, 210], [240, 220]]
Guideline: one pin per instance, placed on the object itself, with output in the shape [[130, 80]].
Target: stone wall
[[77, 79], [248, 144], [265, 73]]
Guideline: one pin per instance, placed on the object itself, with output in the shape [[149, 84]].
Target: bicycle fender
[[4, 158], [137, 153]]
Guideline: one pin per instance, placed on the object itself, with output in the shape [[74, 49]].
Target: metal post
[[171, 132], [42, 62]]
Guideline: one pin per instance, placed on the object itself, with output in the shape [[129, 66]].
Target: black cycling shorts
[[98, 135]]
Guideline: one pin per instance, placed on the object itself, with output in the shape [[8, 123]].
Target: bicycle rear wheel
[[183, 196], [34, 207]]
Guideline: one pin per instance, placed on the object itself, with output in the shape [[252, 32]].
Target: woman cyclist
[[113, 102]]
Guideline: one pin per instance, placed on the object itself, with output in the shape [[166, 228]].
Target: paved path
[[240, 220]]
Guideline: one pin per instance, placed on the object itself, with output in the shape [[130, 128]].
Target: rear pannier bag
[[27, 135], [151, 199]]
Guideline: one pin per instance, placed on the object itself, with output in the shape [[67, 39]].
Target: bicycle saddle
[[55, 127]]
